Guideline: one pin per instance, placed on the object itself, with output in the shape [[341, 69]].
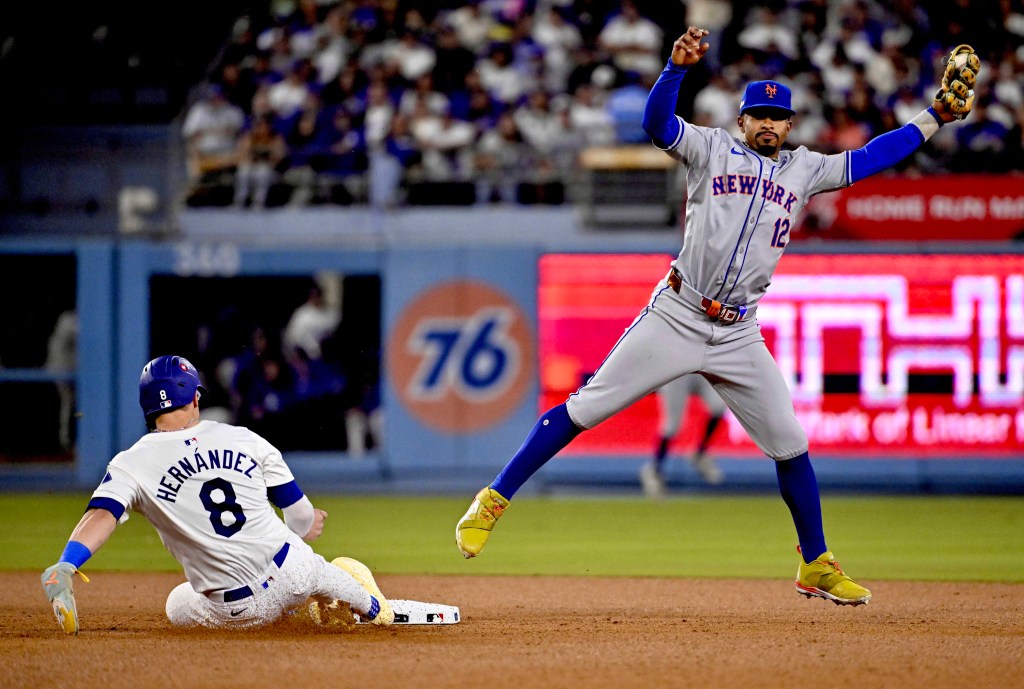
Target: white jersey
[[740, 208], [204, 489]]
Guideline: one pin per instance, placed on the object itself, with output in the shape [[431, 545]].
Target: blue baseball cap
[[767, 94]]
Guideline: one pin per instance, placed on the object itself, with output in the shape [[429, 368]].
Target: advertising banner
[[980, 208], [885, 355], [460, 355]]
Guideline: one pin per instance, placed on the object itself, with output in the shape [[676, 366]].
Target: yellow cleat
[[384, 615], [822, 577], [475, 526]]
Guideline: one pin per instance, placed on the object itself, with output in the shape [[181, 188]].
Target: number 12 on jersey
[[781, 230]]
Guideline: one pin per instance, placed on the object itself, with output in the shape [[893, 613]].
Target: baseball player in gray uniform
[[673, 399], [743, 196], [210, 490]]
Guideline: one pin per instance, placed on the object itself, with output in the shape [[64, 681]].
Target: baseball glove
[[955, 97]]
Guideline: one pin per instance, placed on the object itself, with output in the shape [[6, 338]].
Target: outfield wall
[[908, 371]]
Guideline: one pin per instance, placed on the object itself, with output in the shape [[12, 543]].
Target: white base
[[415, 612]]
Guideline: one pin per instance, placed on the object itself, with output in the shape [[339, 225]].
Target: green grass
[[921, 538]]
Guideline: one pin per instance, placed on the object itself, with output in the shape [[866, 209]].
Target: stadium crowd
[[394, 101]]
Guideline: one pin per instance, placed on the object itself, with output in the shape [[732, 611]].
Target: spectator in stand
[[474, 104], [472, 25], [838, 74], [241, 48], [527, 54], [379, 111], [211, 130], [423, 92], [499, 76], [591, 16], [982, 141], [589, 116], [339, 158], [718, 99], [347, 89], [501, 156], [236, 87], [288, 96], [275, 41], [586, 62], [558, 38], [396, 156], [304, 27], [861, 106], [633, 41], [326, 151], [840, 48], [259, 75], [1008, 86], [880, 73], [409, 57], [334, 48], [261, 151], [446, 144], [626, 107], [344, 146], [767, 35], [844, 133], [539, 123], [453, 61]]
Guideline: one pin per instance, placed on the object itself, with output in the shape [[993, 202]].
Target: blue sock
[[374, 610], [799, 489], [553, 431]]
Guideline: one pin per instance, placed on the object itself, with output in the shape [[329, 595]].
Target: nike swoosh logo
[[236, 613], [735, 152]]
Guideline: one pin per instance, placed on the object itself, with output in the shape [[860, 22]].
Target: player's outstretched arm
[[953, 101], [660, 121]]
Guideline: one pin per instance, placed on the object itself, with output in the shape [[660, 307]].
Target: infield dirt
[[535, 632]]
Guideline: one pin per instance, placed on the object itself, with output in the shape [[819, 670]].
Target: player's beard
[[768, 146]]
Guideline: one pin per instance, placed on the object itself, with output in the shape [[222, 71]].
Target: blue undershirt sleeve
[[285, 494], [108, 504], [884, 151], [660, 121]]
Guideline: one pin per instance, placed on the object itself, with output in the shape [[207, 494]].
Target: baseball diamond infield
[[536, 632]]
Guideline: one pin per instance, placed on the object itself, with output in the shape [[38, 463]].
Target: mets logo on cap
[[461, 356], [767, 94]]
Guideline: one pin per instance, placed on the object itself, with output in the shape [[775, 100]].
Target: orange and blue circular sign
[[461, 356]]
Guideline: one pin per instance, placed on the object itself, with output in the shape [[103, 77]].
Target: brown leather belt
[[715, 310]]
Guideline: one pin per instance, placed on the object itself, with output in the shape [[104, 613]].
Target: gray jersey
[[741, 207]]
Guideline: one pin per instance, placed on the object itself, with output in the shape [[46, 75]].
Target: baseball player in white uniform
[[210, 490], [673, 400], [743, 196]]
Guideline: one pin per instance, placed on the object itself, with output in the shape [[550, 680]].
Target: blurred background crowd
[[393, 101]]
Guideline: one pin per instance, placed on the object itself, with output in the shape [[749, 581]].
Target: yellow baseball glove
[[955, 97]]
